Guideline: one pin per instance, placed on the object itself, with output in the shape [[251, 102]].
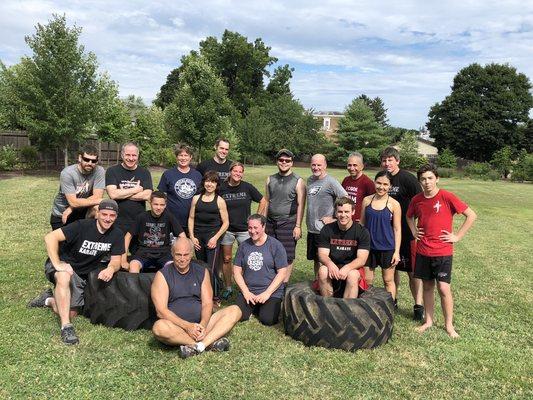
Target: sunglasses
[[90, 160], [284, 160]]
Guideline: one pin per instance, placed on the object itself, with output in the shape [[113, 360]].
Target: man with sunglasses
[[285, 195], [81, 187]]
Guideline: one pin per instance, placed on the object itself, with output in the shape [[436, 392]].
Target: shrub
[[523, 170], [446, 172], [29, 157], [478, 170], [447, 159], [8, 158], [501, 160]]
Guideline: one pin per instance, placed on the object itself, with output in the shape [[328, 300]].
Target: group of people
[[353, 228]]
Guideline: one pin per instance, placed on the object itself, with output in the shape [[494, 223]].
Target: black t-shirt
[[85, 246], [124, 178], [239, 201], [153, 233], [404, 186], [343, 245], [212, 165]]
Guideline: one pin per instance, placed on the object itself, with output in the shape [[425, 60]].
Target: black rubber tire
[[123, 302], [347, 324]]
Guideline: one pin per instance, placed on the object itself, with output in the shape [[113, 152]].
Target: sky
[[406, 52]]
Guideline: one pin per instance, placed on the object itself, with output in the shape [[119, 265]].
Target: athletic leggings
[[210, 256], [267, 313]]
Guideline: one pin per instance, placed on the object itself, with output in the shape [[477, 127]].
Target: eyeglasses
[[90, 160], [284, 160]]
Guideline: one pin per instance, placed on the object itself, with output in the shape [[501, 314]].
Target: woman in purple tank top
[[381, 215]]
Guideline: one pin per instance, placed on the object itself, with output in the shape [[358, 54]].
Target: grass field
[[492, 285]]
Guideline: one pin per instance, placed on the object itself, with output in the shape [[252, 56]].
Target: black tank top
[[207, 216]]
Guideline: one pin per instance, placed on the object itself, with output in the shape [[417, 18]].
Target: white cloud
[[406, 52]]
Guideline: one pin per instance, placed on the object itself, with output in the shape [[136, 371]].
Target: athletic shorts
[[77, 284], [230, 237], [267, 313], [407, 256], [152, 263], [312, 246], [438, 268], [380, 258], [283, 230]]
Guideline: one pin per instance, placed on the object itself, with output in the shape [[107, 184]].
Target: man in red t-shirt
[[357, 184], [434, 209]]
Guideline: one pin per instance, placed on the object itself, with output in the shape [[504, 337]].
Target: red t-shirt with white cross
[[434, 215]]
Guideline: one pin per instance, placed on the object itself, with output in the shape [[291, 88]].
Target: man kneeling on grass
[[86, 243], [343, 248], [434, 208], [183, 299]]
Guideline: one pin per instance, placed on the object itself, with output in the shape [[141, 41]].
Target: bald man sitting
[[183, 300]]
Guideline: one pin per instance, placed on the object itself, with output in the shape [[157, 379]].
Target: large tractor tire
[[123, 302], [347, 324]]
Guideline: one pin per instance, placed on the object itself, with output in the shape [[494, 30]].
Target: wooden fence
[[108, 152]]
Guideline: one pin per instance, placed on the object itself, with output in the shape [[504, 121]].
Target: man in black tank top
[[183, 299]]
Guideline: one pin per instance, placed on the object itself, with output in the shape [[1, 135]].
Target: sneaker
[[68, 335], [187, 351], [395, 301], [226, 294], [221, 344], [418, 312], [40, 301]]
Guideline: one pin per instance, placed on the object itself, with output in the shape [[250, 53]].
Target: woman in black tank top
[[208, 220]]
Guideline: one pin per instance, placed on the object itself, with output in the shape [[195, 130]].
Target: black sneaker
[[418, 312], [187, 351], [68, 335], [40, 301], [221, 344]]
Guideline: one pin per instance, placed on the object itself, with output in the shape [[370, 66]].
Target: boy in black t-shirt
[[343, 248], [152, 230], [87, 242]]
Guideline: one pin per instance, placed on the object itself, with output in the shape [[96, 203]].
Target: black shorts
[[312, 246], [438, 268], [407, 256], [380, 258], [152, 262], [267, 313], [283, 230]]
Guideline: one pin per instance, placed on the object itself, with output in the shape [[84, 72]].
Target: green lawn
[[492, 285]]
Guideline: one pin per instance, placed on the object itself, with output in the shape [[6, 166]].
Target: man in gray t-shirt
[[322, 191], [81, 186]]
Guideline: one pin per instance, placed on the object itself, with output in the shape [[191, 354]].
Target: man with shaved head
[[183, 299], [322, 191]]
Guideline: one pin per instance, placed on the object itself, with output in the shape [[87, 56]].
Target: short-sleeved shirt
[[185, 291], [124, 178], [260, 264], [343, 245], [153, 233], [180, 188], [357, 190], [85, 245], [404, 186], [239, 201], [212, 165], [72, 181], [321, 196], [434, 215]]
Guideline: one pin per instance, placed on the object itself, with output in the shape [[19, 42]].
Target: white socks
[[200, 347]]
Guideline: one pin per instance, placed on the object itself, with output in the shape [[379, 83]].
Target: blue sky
[[405, 52]]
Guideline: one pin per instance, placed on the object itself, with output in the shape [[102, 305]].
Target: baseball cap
[[108, 204], [286, 152]]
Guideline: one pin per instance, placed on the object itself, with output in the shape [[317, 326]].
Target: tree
[[241, 65], [201, 110], [409, 150], [447, 159], [11, 105], [150, 134], [279, 85], [378, 108], [113, 118], [168, 90], [359, 131], [502, 160], [483, 112], [59, 91], [135, 105]]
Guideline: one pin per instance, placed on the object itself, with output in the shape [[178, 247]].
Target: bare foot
[[423, 328], [452, 333]]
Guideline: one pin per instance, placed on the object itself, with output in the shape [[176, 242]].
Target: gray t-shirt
[[282, 196], [321, 196], [72, 181]]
